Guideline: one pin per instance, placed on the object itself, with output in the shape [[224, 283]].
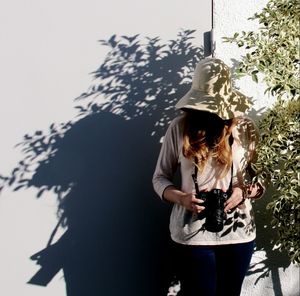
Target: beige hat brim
[[225, 106]]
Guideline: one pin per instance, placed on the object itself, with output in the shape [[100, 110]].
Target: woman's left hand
[[255, 191], [234, 200]]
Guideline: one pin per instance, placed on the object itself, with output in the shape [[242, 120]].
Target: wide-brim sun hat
[[212, 91]]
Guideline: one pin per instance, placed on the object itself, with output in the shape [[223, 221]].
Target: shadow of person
[[111, 246], [100, 168]]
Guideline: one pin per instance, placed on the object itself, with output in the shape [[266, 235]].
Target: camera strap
[[194, 176]]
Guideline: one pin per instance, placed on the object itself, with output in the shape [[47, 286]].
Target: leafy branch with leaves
[[273, 51]]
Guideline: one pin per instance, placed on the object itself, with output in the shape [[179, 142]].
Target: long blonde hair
[[207, 134]]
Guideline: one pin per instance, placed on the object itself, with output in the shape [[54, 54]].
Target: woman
[[211, 222]]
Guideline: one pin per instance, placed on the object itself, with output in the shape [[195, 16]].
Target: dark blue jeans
[[212, 270]]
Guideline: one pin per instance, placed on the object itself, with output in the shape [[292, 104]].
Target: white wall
[[48, 49], [271, 273], [231, 17]]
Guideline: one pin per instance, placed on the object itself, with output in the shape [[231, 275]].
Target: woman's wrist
[[174, 195], [239, 190], [245, 190]]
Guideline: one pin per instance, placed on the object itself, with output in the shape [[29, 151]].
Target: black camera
[[213, 201]]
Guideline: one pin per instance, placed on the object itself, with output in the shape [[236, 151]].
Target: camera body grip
[[213, 201]]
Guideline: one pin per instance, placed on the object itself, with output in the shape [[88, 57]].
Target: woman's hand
[[191, 203], [187, 200], [234, 200], [238, 195], [254, 190]]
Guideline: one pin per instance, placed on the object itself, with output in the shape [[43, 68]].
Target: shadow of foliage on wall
[[100, 165]]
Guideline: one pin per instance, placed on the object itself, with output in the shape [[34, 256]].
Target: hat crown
[[212, 76], [212, 91]]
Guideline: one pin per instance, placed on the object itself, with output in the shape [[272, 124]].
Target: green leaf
[[254, 78]]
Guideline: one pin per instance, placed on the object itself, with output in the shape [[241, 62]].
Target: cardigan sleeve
[[167, 162]]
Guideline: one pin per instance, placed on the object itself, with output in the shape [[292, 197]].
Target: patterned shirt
[[185, 226]]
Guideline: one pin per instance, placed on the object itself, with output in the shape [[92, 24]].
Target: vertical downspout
[[208, 37], [212, 39]]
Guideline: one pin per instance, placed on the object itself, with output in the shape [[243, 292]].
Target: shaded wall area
[[100, 166]]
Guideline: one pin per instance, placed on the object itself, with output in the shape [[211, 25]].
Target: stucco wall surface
[[49, 50]]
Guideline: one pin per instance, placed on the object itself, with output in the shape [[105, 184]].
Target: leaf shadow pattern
[[235, 221], [100, 165], [254, 112]]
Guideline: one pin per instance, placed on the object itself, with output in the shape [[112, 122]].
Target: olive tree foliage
[[273, 52]]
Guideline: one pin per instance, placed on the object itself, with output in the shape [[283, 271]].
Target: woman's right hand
[[187, 200], [191, 203]]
